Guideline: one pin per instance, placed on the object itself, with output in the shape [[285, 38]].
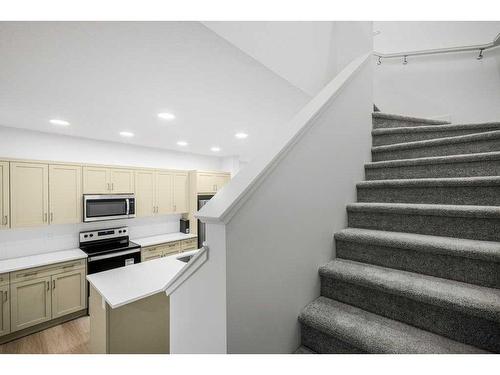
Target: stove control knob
[[85, 236], [91, 235], [124, 230], [119, 231]]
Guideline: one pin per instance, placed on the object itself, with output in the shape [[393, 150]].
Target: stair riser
[[379, 123], [461, 195], [472, 271], [489, 145], [447, 322], [323, 343], [390, 139], [461, 227], [460, 169]]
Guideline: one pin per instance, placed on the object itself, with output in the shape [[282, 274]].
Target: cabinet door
[[145, 203], [4, 310], [221, 180], [164, 192], [206, 182], [30, 303], [68, 293], [29, 185], [65, 194], [4, 195], [181, 192], [150, 254], [122, 181], [96, 180]]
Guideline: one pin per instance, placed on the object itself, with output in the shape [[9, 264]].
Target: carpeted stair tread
[[303, 350], [383, 120], [438, 141], [473, 249], [387, 136], [489, 212], [373, 333], [485, 156], [431, 182], [471, 299]]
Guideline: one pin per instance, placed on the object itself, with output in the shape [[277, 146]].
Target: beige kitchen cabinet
[[68, 293], [161, 192], [100, 180], [122, 181], [180, 192], [29, 184], [145, 193], [189, 244], [160, 251], [220, 180], [30, 303], [211, 182], [4, 195], [96, 180], [65, 194], [150, 253], [164, 192], [4, 309]]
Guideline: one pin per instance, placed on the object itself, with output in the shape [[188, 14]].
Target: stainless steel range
[[108, 249]]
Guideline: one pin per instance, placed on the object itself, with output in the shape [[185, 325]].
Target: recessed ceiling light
[[166, 116], [241, 135], [215, 149], [182, 143], [127, 134], [59, 122]]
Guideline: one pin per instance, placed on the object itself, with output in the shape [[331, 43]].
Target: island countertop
[[121, 286]]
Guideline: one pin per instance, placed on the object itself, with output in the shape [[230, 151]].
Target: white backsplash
[[38, 240]]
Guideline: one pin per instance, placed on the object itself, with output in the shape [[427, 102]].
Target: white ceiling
[[107, 77]]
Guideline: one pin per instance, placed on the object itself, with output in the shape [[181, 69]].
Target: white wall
[[280, 236], [308, 54], [456, 87], [198, 307], [25, 144]]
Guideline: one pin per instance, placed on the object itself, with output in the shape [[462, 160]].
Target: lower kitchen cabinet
[[68, 293], [30, 303], [168, 248], [4, 310], [38, 295]]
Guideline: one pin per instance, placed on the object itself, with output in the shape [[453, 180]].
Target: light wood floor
[[68, 338]]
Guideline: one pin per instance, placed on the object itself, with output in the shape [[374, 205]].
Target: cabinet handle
[[112, 186], [48, 286], [175, 207], [53, 284], [5, 296], [29, 274], [51, 217], [109, 186], [45, 217], [5, 220]]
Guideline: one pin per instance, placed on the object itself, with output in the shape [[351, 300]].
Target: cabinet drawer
[[53, 269], [190, 244], [171, 247], [150, 254], [4, 279]]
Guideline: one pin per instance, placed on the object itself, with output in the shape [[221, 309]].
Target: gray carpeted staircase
[[418, 268]]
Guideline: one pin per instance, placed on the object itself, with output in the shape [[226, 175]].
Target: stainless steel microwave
[[108, 207]]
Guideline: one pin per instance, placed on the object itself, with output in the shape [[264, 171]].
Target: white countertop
[[124, 285], [16, 264], [162, 238]]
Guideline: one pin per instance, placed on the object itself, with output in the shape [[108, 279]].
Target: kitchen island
[[129, 307]]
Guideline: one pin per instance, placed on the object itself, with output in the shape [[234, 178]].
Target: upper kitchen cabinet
[[29, 184], [99, 180], [211, 182], [122, 181], [65, 194], [145, 193], [164, 192], [161, 192], [181, 192], [4, 195]]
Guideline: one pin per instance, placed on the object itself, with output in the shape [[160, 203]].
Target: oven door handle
[[113, 255]]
